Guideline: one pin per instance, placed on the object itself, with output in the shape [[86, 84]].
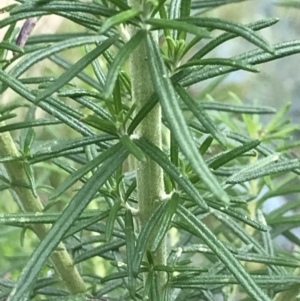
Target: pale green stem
[[60, 258], [150, 185]]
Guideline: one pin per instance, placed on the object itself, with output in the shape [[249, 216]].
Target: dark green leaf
[[75, 69], [119, 60], [173, 114]]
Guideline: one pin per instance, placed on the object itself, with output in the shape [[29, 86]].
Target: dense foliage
[[120, 182]]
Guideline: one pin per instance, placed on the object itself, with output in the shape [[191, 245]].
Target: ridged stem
[[150, 185]]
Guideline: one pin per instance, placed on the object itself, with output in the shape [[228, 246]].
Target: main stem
[[150, 185], [60, 258]]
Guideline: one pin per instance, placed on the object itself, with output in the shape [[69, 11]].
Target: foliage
[[85, 134]]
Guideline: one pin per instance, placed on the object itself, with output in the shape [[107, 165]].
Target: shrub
[[153, 193]]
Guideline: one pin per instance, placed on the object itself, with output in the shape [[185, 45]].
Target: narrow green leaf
[[86, 223], [62, 62], [104, 125], [10, 46], [148, 286], [273, 123], [178, 268], [119, 60], [273, 168], [228, 36], [98, 251], [237, 214], [43, 217], [233, 27], [220, 62], [74, 177], [64, 6], [32, 58], [30, 176], [200, 4], [114, 210], [185, 11], [133, 148], [223, 254], [200, 114], [283, 220], [206, 145], [164, 223], [130, 246], [174, 13], [244, 109], [75, 69], [162, 160], [259, 164], [97, 109], [145, 234], [63, 224], [119, 18], [223, 158], [57, 146], [254, 57], [174, 116], [263, 280], [183, 26]]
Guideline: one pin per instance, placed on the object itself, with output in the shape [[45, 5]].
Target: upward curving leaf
[[171, 109], [233, 27], [194, 75], [119, 60]]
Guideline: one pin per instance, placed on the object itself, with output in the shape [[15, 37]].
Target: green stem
[[60, 258], [150, 184]]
